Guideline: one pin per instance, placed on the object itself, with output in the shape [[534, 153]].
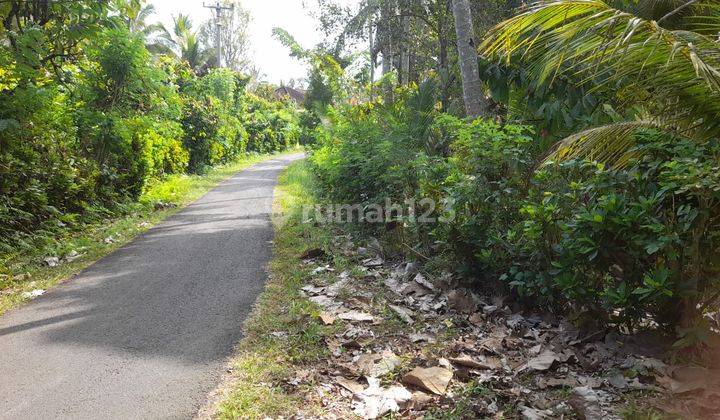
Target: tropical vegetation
[[587, 186], [97, 103]]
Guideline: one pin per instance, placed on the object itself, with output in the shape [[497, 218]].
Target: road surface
[[146, 331]]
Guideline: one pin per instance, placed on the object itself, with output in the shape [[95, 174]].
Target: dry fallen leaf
[[461, 301], [374, 401], [543, 361], [433, 379], [327, 318], [377, 364], [421, 280], [356, 316], [476, 319], [404, 313], [350, 385], [530, 413], [472, 363]]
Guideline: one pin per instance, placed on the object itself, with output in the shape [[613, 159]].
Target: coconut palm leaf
[[674, 74], [181, 42], [613, 143]]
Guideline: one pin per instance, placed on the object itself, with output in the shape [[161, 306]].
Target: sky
[[271, 57]]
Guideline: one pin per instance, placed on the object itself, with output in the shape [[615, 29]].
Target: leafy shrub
[[487, 173], [81, 137], [627, 244], [636, 246], [271, 126]]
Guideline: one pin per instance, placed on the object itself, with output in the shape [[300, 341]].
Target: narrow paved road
[[145, 332]]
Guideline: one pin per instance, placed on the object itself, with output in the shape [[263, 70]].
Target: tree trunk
[[475, 103], [371, 38], [443, 9], [405, 39], [386, 49]]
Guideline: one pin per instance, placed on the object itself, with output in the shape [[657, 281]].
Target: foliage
[[271, 126], [89, 117], [631, 247], [625, 244], [668, 69]]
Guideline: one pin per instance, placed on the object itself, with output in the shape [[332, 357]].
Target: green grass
[[24, 270], [264, 361]]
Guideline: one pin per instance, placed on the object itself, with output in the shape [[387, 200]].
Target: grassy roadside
[[282, 332], [26, 271]]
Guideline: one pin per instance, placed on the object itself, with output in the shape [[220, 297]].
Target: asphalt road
[[146, 331]]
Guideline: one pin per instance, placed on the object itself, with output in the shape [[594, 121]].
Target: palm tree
[[666, 64], [183, 43], [475, 104], [134, 14]]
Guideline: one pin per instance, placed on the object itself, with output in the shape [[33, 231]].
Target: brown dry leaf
[[377, 364], [531, 413], [492, 344], [356, 316], [415, 289], [350, 385], [543, 361], [476, 319], [467, 361], [433, 379], [327, 318], [557, 382], [404, 313], [418, 401]]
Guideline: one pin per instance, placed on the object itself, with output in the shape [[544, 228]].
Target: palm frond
[[611, 144], [591, 42]]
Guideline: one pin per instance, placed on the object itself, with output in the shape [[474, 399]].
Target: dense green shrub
[[83, 136], [627, 244], [634, 246], [487, 173], [271, 126]]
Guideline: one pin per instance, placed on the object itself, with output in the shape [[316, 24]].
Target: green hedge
[[91, 133]]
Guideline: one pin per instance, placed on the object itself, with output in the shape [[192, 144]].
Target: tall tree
[[135, 13], [473, 96], [183, 42]]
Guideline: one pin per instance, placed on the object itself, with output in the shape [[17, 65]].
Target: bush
[[83, 136], [636, 246], [271, 126], [629, 245]]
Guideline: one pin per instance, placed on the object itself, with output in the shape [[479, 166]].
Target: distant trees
[[183, 42], [411, 40], [233, 37]]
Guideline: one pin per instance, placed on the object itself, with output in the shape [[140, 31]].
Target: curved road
[[146, 331]]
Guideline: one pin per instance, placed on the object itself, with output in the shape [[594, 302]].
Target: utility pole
[[218, 15]]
